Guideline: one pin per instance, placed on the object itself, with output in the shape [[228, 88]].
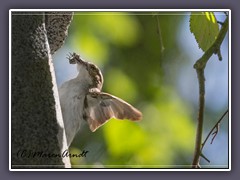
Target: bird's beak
[[75, 58]]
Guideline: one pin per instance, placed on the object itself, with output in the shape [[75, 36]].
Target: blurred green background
[[147, 60]]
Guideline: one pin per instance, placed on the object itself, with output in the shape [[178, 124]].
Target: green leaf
[[204, 26]]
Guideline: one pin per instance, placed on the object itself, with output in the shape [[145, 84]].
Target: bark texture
[[37, 131]]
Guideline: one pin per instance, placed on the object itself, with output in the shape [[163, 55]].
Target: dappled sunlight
[[165, 129], [127, 50], [95, 32], [120, 85]]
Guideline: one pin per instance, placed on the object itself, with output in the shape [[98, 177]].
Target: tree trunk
[[37, 130]]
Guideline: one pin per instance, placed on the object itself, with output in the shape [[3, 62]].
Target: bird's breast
[[72, 95]]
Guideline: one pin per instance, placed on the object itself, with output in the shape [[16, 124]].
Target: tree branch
[[201, 63], [201, 81], [200, 66]]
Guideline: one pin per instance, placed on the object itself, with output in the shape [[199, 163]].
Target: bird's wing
[[100, 107]]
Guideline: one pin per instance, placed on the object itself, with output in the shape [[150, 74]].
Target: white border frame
[[123, 10]]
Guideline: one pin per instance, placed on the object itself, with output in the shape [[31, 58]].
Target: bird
[[82, 100]]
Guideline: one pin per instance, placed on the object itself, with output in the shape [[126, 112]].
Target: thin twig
[[204, 157], [160, 36], [214, 127], [219, 22], [200, 66], [219, 55], [215, 132]]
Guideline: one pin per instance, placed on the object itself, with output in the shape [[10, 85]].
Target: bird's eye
[[92, 68]]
